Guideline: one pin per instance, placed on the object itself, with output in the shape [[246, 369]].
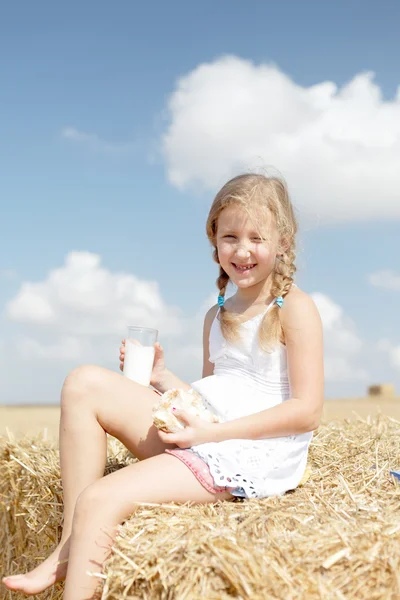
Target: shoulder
[[299, 310]]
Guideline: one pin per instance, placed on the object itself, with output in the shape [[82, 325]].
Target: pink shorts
[[199, 468]]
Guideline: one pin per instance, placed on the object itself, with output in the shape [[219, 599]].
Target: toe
[[16, 583], [12, 581], [11, 578]]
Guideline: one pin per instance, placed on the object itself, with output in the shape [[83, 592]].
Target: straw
[[336, 536]]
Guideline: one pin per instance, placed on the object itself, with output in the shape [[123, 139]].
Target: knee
[[83, 377], [87, 504], [79, 381]]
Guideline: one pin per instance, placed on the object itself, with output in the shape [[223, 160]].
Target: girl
[[263, 375]]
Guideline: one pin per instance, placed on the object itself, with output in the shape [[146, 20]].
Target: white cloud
[[386, 279], [342, 344], [94, 142], [339, 148], [83, 298], [78, 314], [31, 305], [66, 348], [392, 352], [395, 357]]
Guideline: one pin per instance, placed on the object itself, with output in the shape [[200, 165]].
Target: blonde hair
[[252, 192]]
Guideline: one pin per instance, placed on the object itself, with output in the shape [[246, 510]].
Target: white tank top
[[246, 379]]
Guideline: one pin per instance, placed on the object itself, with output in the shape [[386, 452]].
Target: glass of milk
[[139, 354]]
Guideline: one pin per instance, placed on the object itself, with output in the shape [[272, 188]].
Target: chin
[[245, 284]]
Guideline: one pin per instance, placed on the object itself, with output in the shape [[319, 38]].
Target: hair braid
[[226, 320], [283, 274], [222, 281], [282, 281], [223, 278]]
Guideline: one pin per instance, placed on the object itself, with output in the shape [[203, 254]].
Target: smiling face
[[247, 247]]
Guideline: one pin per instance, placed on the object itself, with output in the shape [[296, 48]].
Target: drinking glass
[[139, 354]]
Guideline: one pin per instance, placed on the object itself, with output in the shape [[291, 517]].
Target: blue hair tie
[[221, 300], [279, 301]]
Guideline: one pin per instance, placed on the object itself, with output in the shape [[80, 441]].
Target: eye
[[228, 236]]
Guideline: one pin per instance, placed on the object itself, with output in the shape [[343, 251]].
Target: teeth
[[244, 268]]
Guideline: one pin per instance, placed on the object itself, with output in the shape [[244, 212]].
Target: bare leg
[[106, 503], [94, 401]]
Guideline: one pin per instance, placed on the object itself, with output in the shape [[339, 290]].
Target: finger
[[167, 438], [183, 416], [122, 350], [121, 366]]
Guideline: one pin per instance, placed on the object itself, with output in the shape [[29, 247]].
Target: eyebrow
[[254, 233]]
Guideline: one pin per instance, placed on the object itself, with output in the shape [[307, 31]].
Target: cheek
[[224, 251], [265, 256]]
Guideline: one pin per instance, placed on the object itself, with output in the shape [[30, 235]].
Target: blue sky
[[86, 92]]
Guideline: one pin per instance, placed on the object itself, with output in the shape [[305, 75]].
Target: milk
[[138, 363]]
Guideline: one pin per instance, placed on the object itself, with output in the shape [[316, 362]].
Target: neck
[[256, 294]]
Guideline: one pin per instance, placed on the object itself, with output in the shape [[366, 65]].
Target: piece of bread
[[189, 401]]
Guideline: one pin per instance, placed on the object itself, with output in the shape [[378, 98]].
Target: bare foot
[[53, 569]]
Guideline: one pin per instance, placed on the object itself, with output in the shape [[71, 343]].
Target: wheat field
[[32, 420]]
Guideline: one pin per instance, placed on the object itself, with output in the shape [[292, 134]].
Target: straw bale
[[336, 536], [383, 389]]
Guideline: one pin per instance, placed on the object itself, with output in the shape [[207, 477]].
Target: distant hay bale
[[383, 389], [338, 536]]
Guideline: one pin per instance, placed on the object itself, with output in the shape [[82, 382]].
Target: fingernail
[[173, 408]]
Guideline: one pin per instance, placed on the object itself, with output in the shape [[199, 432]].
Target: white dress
[[247, 380]]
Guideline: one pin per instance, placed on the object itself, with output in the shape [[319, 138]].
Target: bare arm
[[208, 367], [169, 381], [302, 328]]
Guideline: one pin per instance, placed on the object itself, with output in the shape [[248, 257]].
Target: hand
[[158, 365], [122, 355], [197, 431]]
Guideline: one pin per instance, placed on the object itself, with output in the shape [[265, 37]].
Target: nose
[[242, 251]]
